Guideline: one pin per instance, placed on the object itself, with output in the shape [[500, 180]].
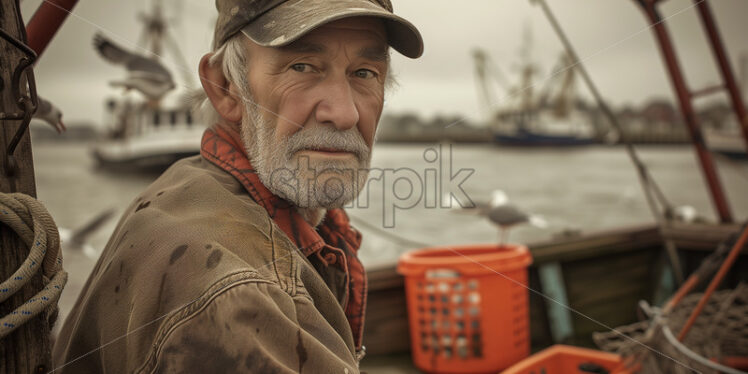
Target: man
[[240, 259]]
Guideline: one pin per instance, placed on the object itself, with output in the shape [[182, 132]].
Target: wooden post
[[27, 349]]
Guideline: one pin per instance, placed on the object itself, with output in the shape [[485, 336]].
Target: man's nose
[[337, 106]]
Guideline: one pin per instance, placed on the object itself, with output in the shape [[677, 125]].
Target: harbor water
[[576, 190]]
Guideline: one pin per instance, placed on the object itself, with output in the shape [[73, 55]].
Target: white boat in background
[[148, 138], [726, 143], [143, 132]]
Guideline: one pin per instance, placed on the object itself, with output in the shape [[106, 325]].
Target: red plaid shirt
[[334, 240]]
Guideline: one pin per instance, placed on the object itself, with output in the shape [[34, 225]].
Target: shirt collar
[[334, 241], [223, 147]]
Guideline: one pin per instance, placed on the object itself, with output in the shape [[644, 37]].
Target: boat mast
[[652, 192], [154, 30], [485, 69], [156, 34], [565, 100], [527, 109], [485, 93]]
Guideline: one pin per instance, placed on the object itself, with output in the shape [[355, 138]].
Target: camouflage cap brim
[[290, 20]]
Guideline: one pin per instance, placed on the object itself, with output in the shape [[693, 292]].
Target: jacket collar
[[334, 241], [223, 148]]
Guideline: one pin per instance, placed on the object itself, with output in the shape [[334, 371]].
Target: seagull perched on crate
[[145, 74], [499, 212]]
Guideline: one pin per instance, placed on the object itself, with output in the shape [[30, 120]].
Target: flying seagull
[[500, 213], [50, 114], [76, 241], [145, 74]]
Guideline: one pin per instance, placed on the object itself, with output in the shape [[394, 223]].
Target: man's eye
[[365, 74], [301, 68]]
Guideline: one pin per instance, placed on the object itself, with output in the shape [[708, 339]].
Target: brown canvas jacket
[[197, 278]]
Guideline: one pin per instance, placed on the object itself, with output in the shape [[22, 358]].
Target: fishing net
[[718, 334]]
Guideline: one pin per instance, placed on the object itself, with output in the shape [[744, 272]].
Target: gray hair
[[232, 56]]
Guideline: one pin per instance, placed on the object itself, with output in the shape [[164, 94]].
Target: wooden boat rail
[[603, 275]]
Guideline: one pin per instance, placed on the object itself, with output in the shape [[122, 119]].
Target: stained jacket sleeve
[[254, 327]]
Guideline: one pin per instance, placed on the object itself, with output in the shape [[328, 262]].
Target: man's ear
[[218, 89]]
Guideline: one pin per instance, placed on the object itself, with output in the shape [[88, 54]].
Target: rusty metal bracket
[[15, 84], [27, 103]]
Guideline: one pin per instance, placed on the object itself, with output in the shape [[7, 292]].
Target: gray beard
[[306, 183]]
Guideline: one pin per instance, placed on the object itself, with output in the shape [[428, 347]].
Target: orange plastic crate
[[467, 307], [564, 359]]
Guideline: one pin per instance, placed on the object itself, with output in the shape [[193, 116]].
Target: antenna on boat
[[527, 69], [156, 35], [655, 198], [565, 97], [155, 25], [486, 94], [487, 70]]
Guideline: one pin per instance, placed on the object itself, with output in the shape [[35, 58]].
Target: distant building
[[409, 128], [660, 113]]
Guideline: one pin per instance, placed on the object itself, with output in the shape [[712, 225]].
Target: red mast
[[46, 21], [685, 96]]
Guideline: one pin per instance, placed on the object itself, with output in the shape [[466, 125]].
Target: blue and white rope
[[33, 224]]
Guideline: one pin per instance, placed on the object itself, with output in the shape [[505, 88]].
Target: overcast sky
[[610, 36]]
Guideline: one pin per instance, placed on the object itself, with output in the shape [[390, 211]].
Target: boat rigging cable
[[650, 187]]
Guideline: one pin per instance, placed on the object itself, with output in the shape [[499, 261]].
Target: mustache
[[323, 137]]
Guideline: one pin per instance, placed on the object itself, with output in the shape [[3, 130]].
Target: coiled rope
[[33, 224]]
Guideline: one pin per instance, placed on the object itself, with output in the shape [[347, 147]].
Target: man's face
[[310, 121]]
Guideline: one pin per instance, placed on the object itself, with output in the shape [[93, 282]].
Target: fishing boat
[[538, 128], [555, 117], [147, 138], [143, 132]]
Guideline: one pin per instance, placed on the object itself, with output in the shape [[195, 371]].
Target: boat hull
[[530, 139], [728, 144], [156, 150]]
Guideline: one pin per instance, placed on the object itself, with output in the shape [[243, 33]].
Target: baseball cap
[[275, 23]]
